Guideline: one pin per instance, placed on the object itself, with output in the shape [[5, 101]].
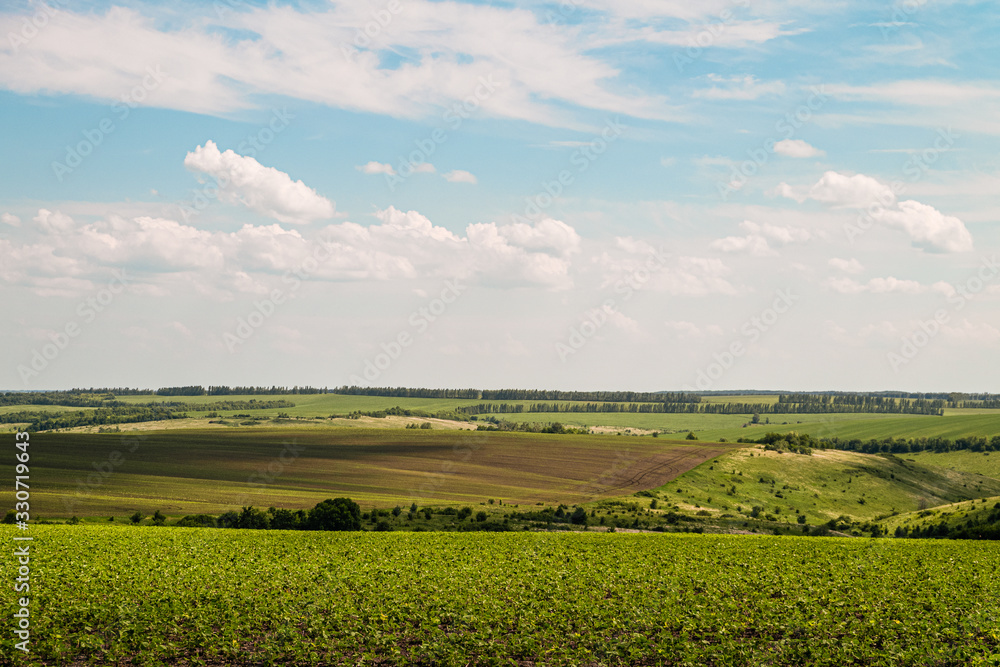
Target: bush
[[579, 516], [137, 517], [691, 436], [335, 514], [802, 518], [158, 518], [197, 521], [10, 516], [252, 519], [481, 516], [464, 513]]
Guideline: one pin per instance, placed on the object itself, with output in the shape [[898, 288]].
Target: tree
[[397, 510], [691, 436], [579, 516], [413, 507], [137, 517], [253, 519], [159, 518], [464, 513], [756, 418], [335, 514], [481, 516]]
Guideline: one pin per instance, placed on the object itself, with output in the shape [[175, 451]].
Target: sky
[[580, 195]]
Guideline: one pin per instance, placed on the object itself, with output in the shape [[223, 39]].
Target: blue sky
[[589, 194]]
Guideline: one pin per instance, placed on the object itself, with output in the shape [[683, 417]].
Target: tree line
[[880, 446]]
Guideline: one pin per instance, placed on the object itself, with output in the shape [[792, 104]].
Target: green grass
[[213, 470], [869, 426], [823, 486], [982, 463], [145, 596], [953, 514]]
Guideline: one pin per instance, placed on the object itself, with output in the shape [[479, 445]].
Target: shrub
[[335, 514]]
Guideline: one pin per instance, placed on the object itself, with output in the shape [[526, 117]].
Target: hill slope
[[823, 486], [210, 471]]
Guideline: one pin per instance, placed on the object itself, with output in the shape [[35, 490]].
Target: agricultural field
[[209, 471], [138, 596], [820, 487]]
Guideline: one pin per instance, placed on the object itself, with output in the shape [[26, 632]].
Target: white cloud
[[53, 223], [758, 238], [220, 62], [852, 266], [857, 191], [928, 228], [967, 332], [10, 219], [460, 176], [685, 330], [402, 244], [738, 88], [922, 93], [796, 148], [245, 181], [424, 168], [888, 285], [377, 168]]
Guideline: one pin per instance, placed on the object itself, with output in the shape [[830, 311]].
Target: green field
[[138, 596], [823, 486], [210, 471], [983, 463]]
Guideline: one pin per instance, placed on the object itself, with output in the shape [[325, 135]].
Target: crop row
[[114, 596]]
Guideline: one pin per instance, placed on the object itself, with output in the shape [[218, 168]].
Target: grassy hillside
[[952, 514], [823, 486], [195, 471], [983, 463]]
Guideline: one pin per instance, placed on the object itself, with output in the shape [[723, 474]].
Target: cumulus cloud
[[759, 238], [53, 223], [889, 285], [796, 148], [928, 228], [400, 245], [460, 176], [10, 219], [377, 168], [852, 266], [273, 193], [857, 191]]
